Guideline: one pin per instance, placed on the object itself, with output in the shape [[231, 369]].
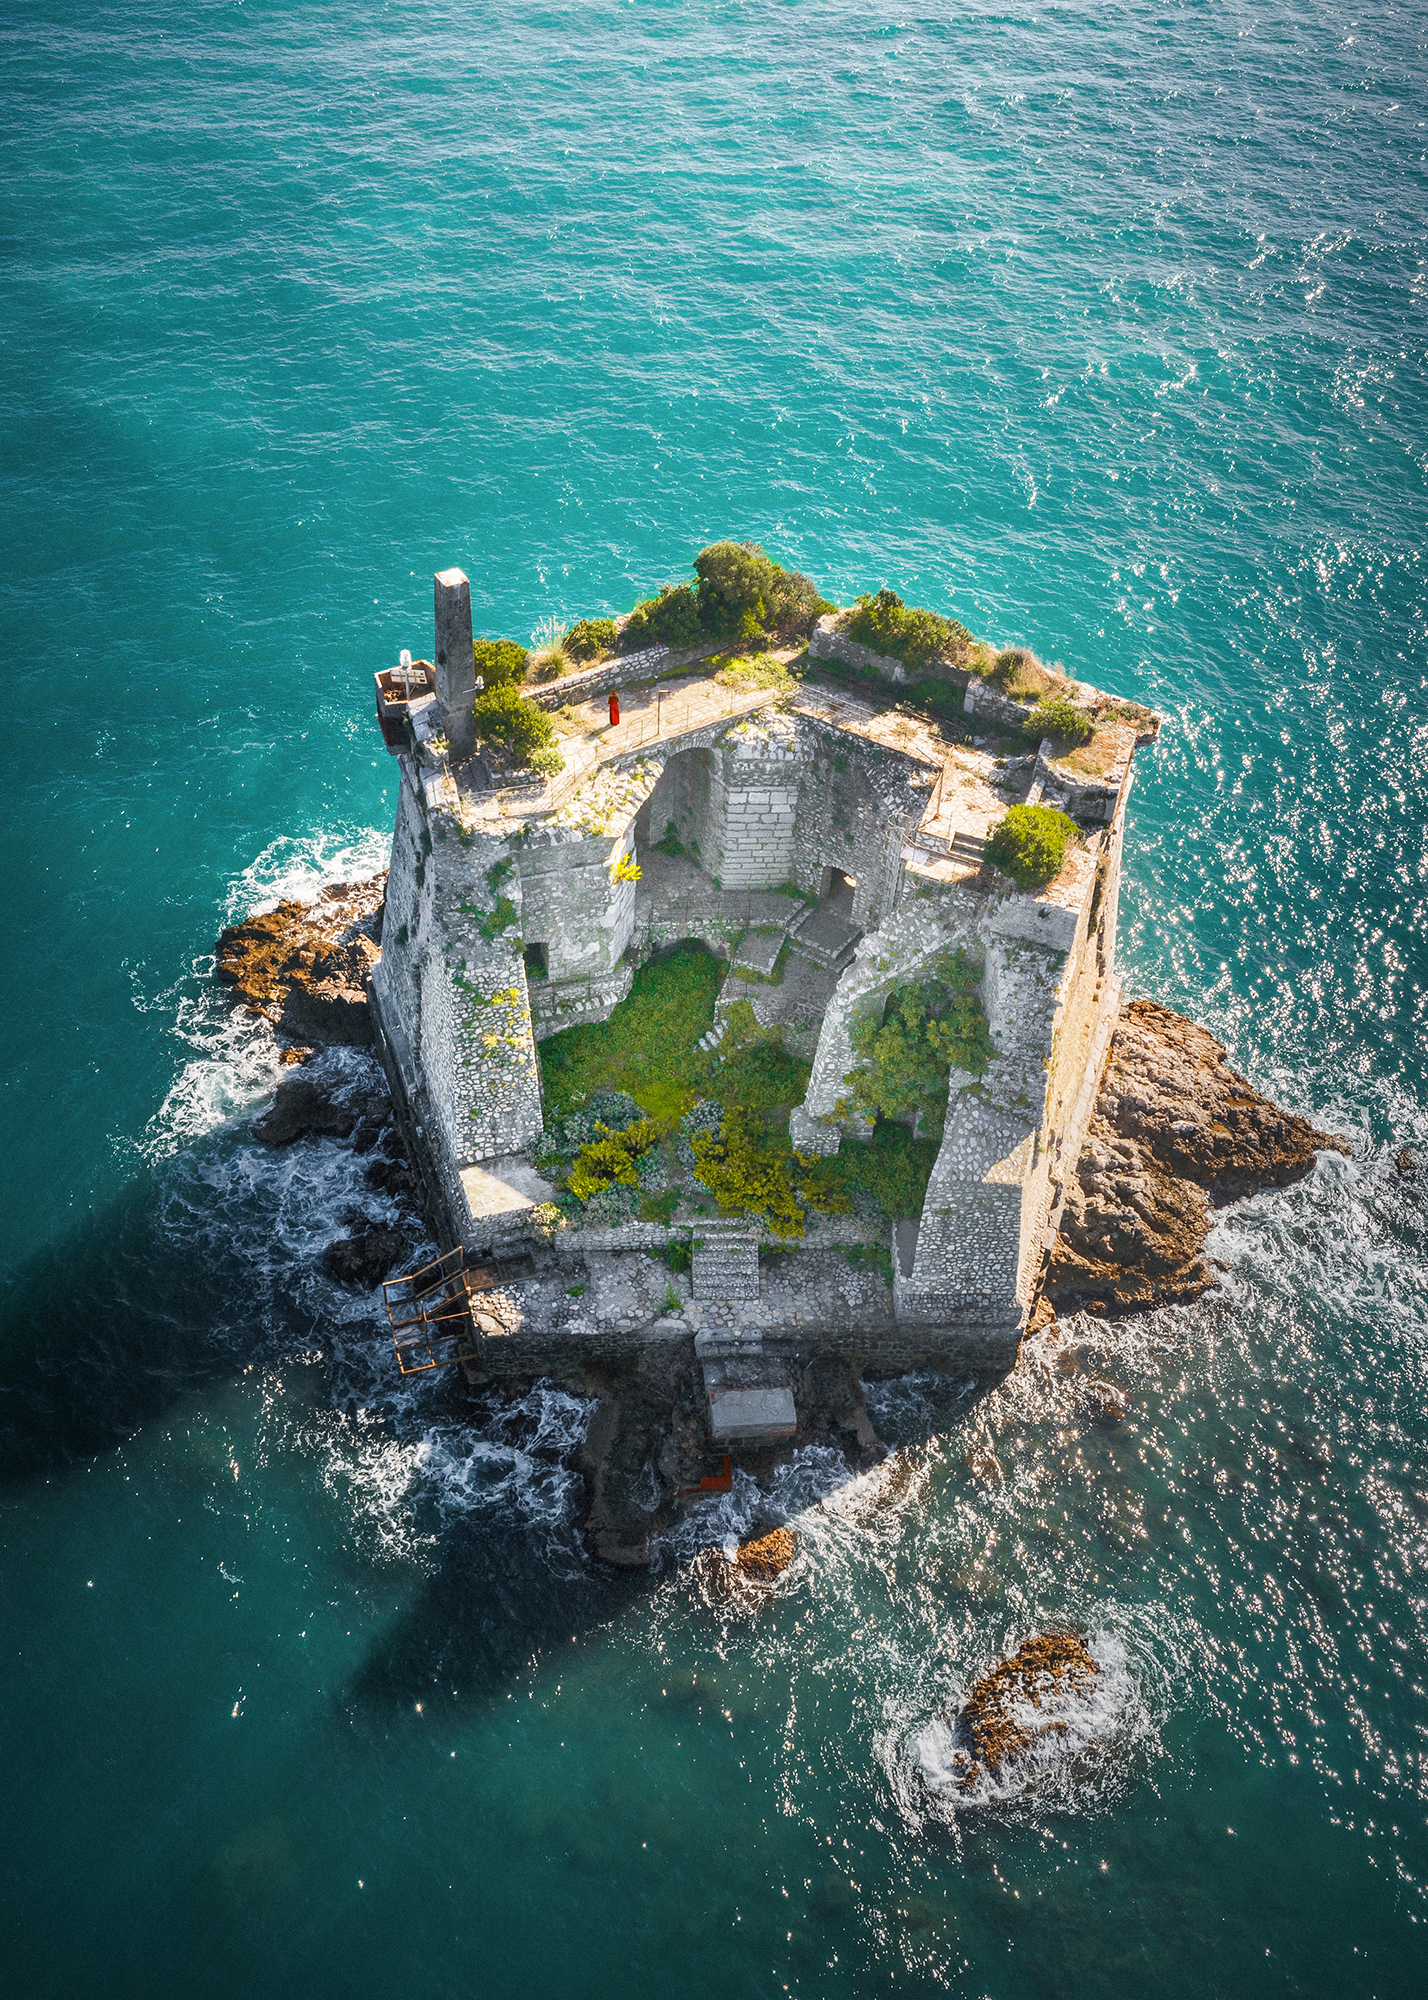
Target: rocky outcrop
[[997, 1723], [766, 1557], [1176, 1133], [304, 966], [365, 1259]]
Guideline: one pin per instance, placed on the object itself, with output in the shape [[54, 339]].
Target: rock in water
[[304, 966], [1175, 1134], [366, 1259], [994, 1725], [767, 1557], [301, 1109]]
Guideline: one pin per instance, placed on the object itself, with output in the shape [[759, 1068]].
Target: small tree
[[926, 1030], [1029, 844], [1060, 719], [591, 638], [671, 619]]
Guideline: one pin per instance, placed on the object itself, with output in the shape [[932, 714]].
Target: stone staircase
[[725, 1262], [826, 937]]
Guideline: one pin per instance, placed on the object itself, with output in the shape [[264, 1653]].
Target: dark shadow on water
[[102, 1333], [493, 1606]]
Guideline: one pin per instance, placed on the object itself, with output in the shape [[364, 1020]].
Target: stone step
[[724, 1262], [715, 1035]]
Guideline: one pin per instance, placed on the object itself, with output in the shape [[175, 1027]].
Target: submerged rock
[[304, 966], [1175, 1134], [994, 1724]]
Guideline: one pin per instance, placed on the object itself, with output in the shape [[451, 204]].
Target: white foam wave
[[297, 868]]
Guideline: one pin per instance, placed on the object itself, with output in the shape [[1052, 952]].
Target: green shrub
[[591, 638], [917, 638], [647, 1047], [926, 1030], [1019, 674], [510, 725], [1060, 719], [671, 619], [892, 1167], [659, 1207], [499, 662], [759, 670], [609, 1159], [1029, 844], [747, 1177], [546, 762]]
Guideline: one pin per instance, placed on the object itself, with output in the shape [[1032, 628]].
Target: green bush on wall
[[591, 638], [499, 662], [514, 728], [1061, 720], [926, 1030], [1029, 843], [671, 619], [885, 625]]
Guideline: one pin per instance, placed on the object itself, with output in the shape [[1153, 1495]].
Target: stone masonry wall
[[856, 808], [753, 803]]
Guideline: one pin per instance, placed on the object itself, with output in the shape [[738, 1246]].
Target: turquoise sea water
[[1103, 328]]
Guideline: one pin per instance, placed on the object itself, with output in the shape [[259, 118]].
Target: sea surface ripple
[[1103, 328]]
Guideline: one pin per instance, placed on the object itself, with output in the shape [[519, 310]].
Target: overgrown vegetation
[[727, 1112], [919, 639], [499, 662], [1061, 720], [757, 670], [927, 1029], [610, 1157], [591, 639], [1018, 674], [1029, 843], [513, 728], [740, 597]]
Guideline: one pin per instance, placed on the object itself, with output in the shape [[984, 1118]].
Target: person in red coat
[[614, 709]]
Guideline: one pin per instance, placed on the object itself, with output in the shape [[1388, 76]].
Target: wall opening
[[835, 891], [537, 961]]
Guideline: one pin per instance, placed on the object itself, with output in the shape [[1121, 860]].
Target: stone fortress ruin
[[827, 841]]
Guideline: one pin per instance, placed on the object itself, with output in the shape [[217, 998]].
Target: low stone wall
[[582, 1351]]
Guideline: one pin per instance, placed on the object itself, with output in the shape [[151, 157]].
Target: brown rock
[[303, 966], [989, 1726], [1175, 1133], [768, 1556]]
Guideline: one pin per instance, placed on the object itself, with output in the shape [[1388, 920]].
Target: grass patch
[[1018, 674], [892, 1165], [1096, 759], [647, 1045], [758, 670]]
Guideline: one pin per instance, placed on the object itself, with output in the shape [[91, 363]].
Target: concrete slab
[[751, 1414], [500, 1190]]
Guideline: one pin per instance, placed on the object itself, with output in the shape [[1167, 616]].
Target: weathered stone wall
[[900, 951], [857, 804], [753, 803], [453, 981], [680, 800]]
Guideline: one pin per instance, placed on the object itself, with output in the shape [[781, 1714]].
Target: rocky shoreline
[[1176, 1134]]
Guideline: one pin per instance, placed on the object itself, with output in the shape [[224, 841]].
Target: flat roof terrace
[[969, 785]]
